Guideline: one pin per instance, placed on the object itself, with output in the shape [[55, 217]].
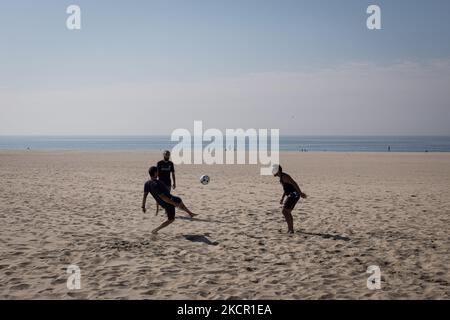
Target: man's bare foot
[[193, 215], [155, 231]]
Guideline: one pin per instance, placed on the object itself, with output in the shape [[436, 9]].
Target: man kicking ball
[[292, 192], [162, 195]]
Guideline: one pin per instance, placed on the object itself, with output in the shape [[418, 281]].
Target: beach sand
[[59, 208]]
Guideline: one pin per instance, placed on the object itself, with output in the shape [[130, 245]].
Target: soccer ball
[[204, 179]]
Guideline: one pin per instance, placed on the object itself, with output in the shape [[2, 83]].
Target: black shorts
[[291, 200], [170, 208]]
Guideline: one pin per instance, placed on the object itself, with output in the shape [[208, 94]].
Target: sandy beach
[[59, 208]]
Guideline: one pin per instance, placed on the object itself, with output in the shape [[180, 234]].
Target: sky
[[148, 67]]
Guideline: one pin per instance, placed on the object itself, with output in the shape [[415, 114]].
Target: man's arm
[[282, 197], [174, 181], [144, 200], [168, 200]]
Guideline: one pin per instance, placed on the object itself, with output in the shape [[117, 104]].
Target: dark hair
[[152, 171]]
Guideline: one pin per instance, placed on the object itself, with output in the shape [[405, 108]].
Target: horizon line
[[168, 135]]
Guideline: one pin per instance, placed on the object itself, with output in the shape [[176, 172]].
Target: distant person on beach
[[162, 195], [165, 169], [292, 192]]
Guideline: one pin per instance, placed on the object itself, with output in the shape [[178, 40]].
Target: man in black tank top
[[292, 192]]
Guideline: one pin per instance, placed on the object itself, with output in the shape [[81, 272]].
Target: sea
[[286, 143]]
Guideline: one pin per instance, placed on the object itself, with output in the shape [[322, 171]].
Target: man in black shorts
[[162, 195], [165, 169], [292, 192]]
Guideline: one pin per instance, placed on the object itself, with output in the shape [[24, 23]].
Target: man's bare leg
[[185, 209], [289, 220], [163, 225]]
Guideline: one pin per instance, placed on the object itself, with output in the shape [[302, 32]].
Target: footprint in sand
[[22, 286]]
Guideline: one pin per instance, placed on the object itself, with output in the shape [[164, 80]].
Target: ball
[[204, 179]]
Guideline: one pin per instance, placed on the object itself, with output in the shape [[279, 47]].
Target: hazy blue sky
[[148, 67]]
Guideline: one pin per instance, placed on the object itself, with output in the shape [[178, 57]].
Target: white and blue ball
[[204, 179]]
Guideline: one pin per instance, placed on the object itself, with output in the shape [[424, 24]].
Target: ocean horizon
[[286, 143]]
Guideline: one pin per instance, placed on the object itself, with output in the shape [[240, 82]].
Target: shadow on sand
[[199, 219], [326, 235], [200, 238]]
